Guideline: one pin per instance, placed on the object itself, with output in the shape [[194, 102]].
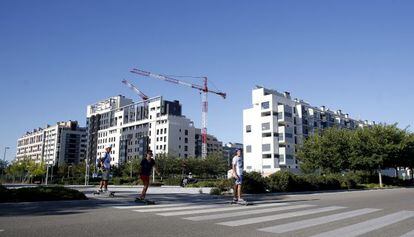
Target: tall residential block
[[62, 143], [132, 128], [276, 125]]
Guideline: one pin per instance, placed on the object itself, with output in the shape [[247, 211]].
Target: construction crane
[[203, 89], [132, 87]]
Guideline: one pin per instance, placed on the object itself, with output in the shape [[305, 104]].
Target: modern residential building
[[131, 128], [62, 143], [213, 144], [276, 124]]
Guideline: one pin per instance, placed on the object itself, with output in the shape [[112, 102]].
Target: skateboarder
[[104, 163], [147, 164], [237, 170]]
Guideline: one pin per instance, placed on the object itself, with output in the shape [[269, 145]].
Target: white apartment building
[[276, 124], [132, 128], [62, 143]]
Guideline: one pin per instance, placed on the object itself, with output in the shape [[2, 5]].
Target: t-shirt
[[146, 166], [106, 161], [238, 161]]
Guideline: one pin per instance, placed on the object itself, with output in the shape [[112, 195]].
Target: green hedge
[[284, 181], [40, 193]]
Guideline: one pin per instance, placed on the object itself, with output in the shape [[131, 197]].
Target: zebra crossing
[[268, 214]]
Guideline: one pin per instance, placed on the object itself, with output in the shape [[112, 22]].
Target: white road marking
[[155, 209], [279, 216], [297, 225], [245, 213], [143, 206], [367, 226], [210, 210], [409, 234]]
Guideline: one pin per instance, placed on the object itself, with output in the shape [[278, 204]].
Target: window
[[265, 105], [289, 157], [265, 147], [248, 128], [266, 167], [266, 134], [288, 135], [186, 132], [289, 115], [185, 140], [248, 148], [265, 114], [265, 126], [185, 148], [266, 156]]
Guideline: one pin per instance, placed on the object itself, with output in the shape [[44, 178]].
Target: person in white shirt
[[237, 166]]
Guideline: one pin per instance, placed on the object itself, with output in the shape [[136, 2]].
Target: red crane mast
[[202, 88]]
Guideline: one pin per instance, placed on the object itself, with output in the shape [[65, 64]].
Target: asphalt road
[[358, 213]]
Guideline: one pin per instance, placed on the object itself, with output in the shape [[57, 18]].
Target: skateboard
[[145, 201], [109, 193], [244, 203]]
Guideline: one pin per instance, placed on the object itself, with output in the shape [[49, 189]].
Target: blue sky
[[56, 57]]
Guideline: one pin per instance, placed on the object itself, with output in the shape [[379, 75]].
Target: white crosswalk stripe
[[409, 234], [297, 225], [143, 206], [245, 213], [155, 209], [254, 220], [368, 226], [242, 215], [210, 210]]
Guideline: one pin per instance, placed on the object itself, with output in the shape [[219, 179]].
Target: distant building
[[132, 128], [276, 125], [213, 144], [62, 143]]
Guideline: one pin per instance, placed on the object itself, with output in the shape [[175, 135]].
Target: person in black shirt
[[147, 164]]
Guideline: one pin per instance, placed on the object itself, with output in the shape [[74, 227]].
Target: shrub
[[172, 181], [253, 182], [283, 181], [215, 191], [42, 193], [225, 184]]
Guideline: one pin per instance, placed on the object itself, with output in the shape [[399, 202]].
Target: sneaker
[[241, 201], [235, 200], [99, 191], [139, 199]]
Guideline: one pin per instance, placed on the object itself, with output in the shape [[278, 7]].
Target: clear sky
[[56, 57]]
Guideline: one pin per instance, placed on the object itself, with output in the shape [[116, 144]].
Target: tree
[[408, 152], [328, 151]]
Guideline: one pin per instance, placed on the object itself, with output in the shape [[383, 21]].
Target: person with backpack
[[104, 164]]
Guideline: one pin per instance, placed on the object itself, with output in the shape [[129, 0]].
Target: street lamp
[[4, 159]]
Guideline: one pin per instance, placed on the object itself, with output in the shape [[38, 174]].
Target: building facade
[[276, 125], [213, 144], [132, 128], [62, 143]]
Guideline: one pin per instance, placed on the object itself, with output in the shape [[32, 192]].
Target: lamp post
[[4, 159]]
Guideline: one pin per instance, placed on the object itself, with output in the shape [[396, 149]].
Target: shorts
[[145, 178], [239, 180], [105, 175]]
